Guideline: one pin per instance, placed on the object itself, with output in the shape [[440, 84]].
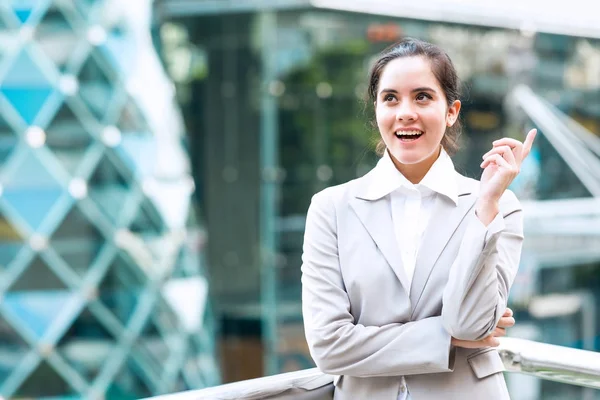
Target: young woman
[[406, 270]]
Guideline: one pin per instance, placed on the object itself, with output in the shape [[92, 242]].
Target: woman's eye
[[423, 96], [389, 97]]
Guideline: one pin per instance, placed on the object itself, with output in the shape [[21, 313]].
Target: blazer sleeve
[[337, 344], [480, 278]]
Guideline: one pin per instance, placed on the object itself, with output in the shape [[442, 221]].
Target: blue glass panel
[[44, 381], [8, 251], [28, 101], [109, 188], [84, 337], [24, 73], [120, 52], [68, 138], [31, 190], [131, 120], [23, 14], [13, 349], [121, 287], [7, 144], [37, 309], [139, 153], [24, 8], [32, 204], [30, 172]]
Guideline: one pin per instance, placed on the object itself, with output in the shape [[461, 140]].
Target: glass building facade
[[274, 104], [103, 292]]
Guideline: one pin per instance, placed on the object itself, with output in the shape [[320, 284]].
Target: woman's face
[[412, 111]]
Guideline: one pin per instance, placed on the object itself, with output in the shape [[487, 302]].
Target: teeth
[[408, 133]]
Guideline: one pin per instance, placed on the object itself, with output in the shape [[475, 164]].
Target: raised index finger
[[529, 142]]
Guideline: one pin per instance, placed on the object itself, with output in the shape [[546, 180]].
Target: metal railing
[[546, 361]]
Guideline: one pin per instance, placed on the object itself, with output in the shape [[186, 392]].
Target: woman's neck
[[416, 172]]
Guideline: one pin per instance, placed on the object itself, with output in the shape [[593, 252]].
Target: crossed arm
[[341, 347], [479, 281]]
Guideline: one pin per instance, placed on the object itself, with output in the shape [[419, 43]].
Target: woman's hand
[[507, 321], [500, 167]]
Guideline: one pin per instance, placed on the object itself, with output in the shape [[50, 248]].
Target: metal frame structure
[[96, 248]]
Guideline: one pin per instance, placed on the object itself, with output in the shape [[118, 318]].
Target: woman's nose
[[406, 113]]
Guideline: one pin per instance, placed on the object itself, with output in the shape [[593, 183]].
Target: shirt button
[[402, 388]]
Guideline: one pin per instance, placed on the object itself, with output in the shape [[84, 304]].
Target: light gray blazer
[[363, 326]]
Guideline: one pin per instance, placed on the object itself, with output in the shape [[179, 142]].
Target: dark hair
[[442, 69]]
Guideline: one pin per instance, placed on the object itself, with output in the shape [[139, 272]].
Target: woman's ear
[[452, 114]]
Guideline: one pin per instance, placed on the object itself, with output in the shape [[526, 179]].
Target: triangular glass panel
[[121, 51], [128, 383], [194, 369], [23, 9], [152, 344], [179, 293], [11, 241], [45, 381], [164, 321], [25, 72], [131, 119], [96, 87], [139, 152], [56, 37], [77, 241], [180, 269], [85, 6], [87, 345], [23, 14], [109, 187], [36, 297], [68, 138], [38, 276], [36, 309], [8, 252], [27, 101], [8, 141], [121, 287], [31, 190], [147, 222], [13, 349], [25, 87]]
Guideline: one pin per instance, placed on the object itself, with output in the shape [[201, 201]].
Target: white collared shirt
[[411, 209]]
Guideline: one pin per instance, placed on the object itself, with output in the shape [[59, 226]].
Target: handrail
[[546, 361]]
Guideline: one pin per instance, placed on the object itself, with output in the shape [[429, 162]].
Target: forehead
[[407, 73]]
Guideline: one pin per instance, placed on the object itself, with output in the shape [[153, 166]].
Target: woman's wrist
[[486, 210]]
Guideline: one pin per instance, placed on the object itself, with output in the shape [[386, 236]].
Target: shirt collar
[[441, 178]]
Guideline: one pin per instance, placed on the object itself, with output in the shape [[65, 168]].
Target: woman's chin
[[408, 157]]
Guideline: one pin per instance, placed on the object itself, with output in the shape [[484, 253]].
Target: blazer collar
[[385, 178], [374, 213]]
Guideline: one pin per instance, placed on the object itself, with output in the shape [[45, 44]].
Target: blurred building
[[103, 293], [272, 94]]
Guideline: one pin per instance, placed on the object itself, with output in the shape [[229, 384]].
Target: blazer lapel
[[442, 224], [375, 215]]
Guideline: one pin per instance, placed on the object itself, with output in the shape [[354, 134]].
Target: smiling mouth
[[408, 136]]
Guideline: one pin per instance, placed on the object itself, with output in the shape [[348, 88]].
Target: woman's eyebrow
[[423, 89], [419, 89]]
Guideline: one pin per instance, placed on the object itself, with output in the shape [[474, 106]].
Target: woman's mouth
[[408, 136]]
